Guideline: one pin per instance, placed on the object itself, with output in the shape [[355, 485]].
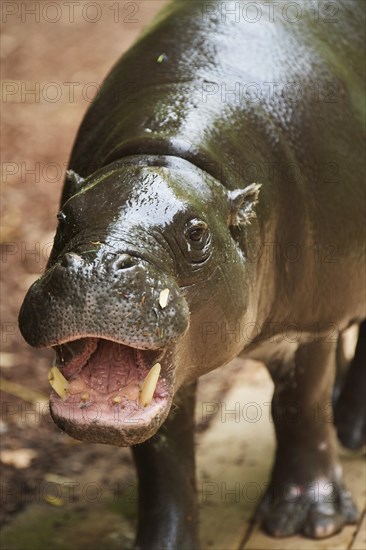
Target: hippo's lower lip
[[104, 383]]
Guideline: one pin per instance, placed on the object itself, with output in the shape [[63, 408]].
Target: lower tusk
[[149, 385], [58, 382]]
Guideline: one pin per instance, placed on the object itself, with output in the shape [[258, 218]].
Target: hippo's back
[[206, 74]]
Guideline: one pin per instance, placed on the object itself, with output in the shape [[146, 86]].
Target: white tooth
[[149, 385], [58, 382], [163, 298]]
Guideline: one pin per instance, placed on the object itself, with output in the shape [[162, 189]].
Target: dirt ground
[[53, 59]]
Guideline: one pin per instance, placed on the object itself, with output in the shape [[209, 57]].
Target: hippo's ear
[[73, 177], [242, 203], [73, 182]]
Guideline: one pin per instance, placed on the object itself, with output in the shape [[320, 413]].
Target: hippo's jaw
[[103, 401]]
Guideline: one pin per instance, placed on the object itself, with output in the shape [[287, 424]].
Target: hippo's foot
[[306, 495], [289, 509], [351, 425], [350, 408]]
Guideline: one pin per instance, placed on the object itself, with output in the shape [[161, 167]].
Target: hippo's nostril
[[125, 261], [70, 260]]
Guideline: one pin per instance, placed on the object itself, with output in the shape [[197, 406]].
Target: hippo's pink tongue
[[110, 368], [107, 387], [106, 372]]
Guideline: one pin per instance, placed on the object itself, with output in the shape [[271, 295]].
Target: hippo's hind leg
[[350, 408], [166, 474], [306, 494]]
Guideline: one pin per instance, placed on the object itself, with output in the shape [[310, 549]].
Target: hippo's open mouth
[[111, 393]]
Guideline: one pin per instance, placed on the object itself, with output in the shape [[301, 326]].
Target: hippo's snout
[[118, 298], [111, 324]]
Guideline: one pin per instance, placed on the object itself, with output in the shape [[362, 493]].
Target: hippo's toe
[[308, 514]]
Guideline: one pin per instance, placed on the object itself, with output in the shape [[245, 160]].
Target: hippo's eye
[[198, 239], [196, 234], [196, 231]]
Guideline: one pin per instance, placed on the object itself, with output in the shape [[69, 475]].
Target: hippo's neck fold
[[174, 147]]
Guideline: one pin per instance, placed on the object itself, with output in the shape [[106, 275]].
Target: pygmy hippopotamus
[[228, 130]]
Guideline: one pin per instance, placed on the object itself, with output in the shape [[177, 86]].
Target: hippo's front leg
[[306, 493], [166, 472]]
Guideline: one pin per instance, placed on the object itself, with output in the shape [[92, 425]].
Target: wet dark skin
[[251, 212]]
